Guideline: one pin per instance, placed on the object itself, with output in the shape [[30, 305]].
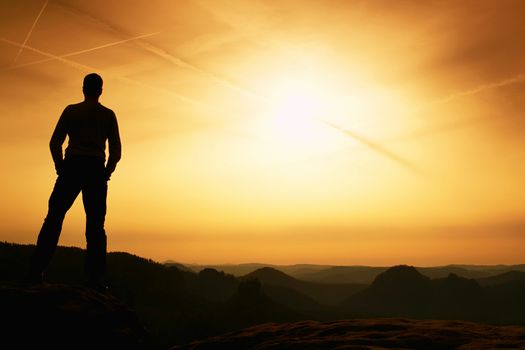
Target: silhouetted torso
[[88, 125]]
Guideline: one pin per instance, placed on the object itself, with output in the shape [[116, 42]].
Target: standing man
[[88, 125]]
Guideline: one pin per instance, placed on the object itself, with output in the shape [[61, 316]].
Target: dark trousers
[[78, 174]]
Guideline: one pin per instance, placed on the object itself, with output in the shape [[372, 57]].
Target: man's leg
[[62, 198], [94, 196]]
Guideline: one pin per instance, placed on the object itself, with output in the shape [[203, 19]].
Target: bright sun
[[293, 118], [296, 102]]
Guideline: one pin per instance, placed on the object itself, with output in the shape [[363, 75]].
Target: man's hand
[[59, 167], [107, 174]]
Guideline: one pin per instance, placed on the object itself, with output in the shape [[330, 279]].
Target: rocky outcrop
[[51, 316], [367, 335]]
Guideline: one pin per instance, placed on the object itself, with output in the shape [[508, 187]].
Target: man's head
[[92, 85]]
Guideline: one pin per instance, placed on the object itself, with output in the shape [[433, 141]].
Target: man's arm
[[57, 139], [115, 147]]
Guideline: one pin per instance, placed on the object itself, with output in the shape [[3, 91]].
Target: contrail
[[438, 129], [244, 26], [376, 147], [509, 81], [51, 56], [424, 132], [85, 68], [85, 51], [160, 52], [30, 31]]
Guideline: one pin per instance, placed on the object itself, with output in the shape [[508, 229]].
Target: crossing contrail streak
[[376, 147], [439, 129], [159, 52], [51, 56], [162, 53], [481, 88], [84, 51], [85, 68], [30, 31], [513, 80]]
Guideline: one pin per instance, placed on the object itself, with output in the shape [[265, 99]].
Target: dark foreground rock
[[51, 316], [369, 334]]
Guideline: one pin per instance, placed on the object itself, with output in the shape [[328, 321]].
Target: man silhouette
[[88, 125]]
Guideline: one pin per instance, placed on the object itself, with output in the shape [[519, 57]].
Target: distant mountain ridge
[[239, 270], [355, 274], [402, 291], [502, 278], [323, 293], [399, 291]]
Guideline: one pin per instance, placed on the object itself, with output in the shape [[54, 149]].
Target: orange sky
[[340, 132]]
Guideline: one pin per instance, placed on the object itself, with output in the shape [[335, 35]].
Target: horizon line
[[172, 261]]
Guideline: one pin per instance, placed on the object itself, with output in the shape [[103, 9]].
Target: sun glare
[[292, 120], [297, 99], [295, 105]]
